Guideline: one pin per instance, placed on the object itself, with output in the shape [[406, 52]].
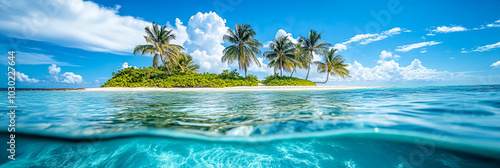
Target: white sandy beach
[[239, 88]]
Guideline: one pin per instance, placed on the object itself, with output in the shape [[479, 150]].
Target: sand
[[239, 88]]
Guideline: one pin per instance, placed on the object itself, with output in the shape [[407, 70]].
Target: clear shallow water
[[455, 126]]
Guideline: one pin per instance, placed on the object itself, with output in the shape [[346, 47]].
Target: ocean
[[444, 126]]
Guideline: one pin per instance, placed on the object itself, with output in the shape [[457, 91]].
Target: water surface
[[454, 126]]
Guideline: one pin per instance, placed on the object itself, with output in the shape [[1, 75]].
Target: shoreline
[[238, 88]]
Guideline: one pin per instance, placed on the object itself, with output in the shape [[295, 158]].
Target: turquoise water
[[453, 126]]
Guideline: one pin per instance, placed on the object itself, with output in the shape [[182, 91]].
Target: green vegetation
[[277, 80], [150, 77]]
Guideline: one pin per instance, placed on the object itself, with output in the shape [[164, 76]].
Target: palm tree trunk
[[327, 75], [308, 69], [166, 65], [310, 60], [291, 74], [245, 72], [281, 67]]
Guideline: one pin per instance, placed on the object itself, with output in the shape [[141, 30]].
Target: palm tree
[[313, 44], [187, 64], [300, 57], [158, 39], [332, 65], [282, 54], [244, 46]]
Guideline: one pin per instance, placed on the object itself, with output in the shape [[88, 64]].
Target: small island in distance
[[177, 69]]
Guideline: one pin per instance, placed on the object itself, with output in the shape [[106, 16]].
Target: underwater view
[[449, 126]]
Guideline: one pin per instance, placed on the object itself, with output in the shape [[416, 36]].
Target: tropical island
[[173, 68]]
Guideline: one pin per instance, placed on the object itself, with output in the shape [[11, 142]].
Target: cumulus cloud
[[98, 28], [53, 72], [446, 29], [406, 48], [484, 48], [180, 32], [496, 64], [67, 77], [71, 78], [21, 77], [392, 71], [125, 65], [340, 47], [387, 54], [281, 32], [202, 38]]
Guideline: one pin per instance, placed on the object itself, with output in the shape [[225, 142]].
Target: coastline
[[238, 88]]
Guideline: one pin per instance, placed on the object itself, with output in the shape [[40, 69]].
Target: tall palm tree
[[300, 57], [332, 65], [313, 44], [244, 47], [282, 54], [158, 39]]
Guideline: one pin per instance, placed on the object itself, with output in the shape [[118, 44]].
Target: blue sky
[[78, 43]]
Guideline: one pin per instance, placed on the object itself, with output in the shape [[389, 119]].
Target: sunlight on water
[[302, 128]]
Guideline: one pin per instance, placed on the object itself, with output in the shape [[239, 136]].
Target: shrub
[[276, 80], [150, 77]]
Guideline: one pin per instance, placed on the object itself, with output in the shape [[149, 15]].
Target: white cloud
[[23, 58], [67, 77], [263, 68], [495, 24], [406, 48], [97, 28], [423, 51], [125, 65], [490, 25], [179, 30], [340, 47], [387, 54], [392, 71], [21, 77], [484, 48], [368, 38], [53, 72], [281, 32], [496, 64], [446, 29], [202, 38], [70, 77]]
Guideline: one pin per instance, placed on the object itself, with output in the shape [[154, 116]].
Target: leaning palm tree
[[313, 44], [300, 57], [244, 47], [187, 65], [332, 65], [282, 54], [158, 39]]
